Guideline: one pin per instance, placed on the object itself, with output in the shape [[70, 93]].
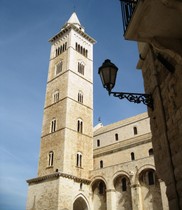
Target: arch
[[61, 49], [132, 156], [79, 159], [53, 125], [151, 152], [135, 130], [148, 177], [50, 158], [65, 45], [81, 50], [76, 46], [121, 176], [116, 137], [79, 126], [58, 67], [144, 167], [150, 188], [80, 96], [99, 194], [119, 173], [98, 142], [86, 53], [122, 188], [81, 67], [101, 164], [80, 203], [55, 96], [96, 179]]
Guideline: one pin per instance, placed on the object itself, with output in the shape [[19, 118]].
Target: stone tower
[[66, 153]]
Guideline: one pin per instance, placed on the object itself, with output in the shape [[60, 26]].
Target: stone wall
[[127, 180], [162, 72]]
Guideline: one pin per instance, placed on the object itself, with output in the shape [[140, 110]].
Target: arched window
[[123, 184], [151, 177], [56, 96], [58, 68], [86, 53], [65, 45], [151, 152], [76, 46], [80, 97], [98, 143], [81, 50], [101, 188], [80, 126], [81, 184], [79, 160], [53, 126], [81, 68], [135, 131], [51, 158], [101, 164], [116, 137], [132, 156]]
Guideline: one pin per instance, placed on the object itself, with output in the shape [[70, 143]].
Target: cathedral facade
[[81, 168]]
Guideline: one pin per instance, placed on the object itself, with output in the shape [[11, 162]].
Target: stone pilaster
[[136, 197], [111, 199]]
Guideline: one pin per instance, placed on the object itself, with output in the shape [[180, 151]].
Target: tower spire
[[73, 20]]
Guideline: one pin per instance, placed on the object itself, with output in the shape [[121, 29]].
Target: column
[[164, 199], [136, 197], [111, 199]]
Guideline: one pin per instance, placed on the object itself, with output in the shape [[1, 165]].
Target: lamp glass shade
[[108, 73]]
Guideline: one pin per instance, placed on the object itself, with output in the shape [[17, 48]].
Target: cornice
[[121, 148], [56, 175], [68, 28], [48, 134]]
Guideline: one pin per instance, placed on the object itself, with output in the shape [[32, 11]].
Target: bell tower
[[68, 112], [66, 153]]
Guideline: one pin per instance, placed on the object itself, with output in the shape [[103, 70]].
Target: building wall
[[43, 195], [58, 193], [124, 129], [163, 80], [119, 173], [117, 164]]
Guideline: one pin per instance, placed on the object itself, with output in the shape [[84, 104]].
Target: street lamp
[[108, 73]]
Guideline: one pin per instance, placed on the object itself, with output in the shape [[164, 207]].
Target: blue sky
[[26, 26]]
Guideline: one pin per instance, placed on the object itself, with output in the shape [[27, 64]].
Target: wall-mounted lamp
[[108, 73]]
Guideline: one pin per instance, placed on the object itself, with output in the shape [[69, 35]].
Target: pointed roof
[[73, 23], [74, 19]]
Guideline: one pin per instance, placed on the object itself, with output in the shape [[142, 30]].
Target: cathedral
[[84, 168]]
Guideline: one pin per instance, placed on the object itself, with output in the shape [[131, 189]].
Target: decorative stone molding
[[56, 176], [67, 29], [122, 148]]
